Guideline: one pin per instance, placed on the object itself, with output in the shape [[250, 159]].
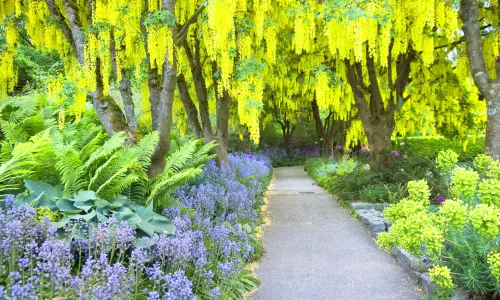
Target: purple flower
[[339, 147], [440, 200], [403, 156], [395, 153], [363, 145]]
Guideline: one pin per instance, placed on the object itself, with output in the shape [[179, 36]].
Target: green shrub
[[351, 180], [429, 147]]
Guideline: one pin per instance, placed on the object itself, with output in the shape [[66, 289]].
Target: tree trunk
[[379, 137], [108, 112], [490, 90], [222, 116], [161, 108], [189, 107], [322, 129], [492, 139], [128, 103]]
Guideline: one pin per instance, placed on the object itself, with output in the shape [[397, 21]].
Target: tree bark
[[489, 89], [378, 123], [189, 107], [108, 112], [125, 88], [222, 116]]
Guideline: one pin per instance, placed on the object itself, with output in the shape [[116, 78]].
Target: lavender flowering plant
[[215, 220]]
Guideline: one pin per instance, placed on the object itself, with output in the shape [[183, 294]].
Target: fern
[[72, 170], [110, 146], [145, 148], [22, 162], [13, 133], [177, 160], [166, 181]]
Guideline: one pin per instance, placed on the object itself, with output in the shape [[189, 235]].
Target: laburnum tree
[[480, 20], [386, 67], [398, 59], [210, 51]]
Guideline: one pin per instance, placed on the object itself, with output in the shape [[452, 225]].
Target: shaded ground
[[315, 250]]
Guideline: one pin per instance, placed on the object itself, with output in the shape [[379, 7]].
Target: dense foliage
[[352, 179], [457, 236], [215, 218]]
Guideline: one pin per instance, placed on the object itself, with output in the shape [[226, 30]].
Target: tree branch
[[75, 26], [375, 89], [181, 36], [61, 21], [469, 12]]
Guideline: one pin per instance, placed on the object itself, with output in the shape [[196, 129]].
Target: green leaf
[[61, 223], [102, 203], [85, 196], [39, 187], [101, 217], [66, 205], [48, 202], [86, 217], [146, 227], [84, 205], [163, 227], [145, 213], [115, 204], [127, 215]]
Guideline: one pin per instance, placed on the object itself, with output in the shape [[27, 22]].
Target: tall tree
[[484, 79]]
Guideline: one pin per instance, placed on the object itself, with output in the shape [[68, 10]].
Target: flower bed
[[215, 217]]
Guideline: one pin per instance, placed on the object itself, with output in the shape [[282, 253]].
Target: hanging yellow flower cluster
[[304, 27]]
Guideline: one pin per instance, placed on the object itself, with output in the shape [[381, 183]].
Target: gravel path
[[315, 250]]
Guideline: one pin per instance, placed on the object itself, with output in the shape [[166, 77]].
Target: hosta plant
[[50, 201]]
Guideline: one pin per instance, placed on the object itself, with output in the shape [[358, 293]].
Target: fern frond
[[108, 148], [177, 160], [22, 162], [166, 182], [145, 148], [14, 133], [116, 184], [92, 146], [72, 170]]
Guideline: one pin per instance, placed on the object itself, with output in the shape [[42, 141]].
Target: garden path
[[315, 250]]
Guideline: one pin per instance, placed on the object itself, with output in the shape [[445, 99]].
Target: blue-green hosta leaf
[[163, 227], [61, 223], [101, 217], [67, 207], [115, 204], [101, 203], [145, 243], [84, 205], [145, 213], [127, 215], [38, 187], [85, 196], [146, 227], [86, 217], [47, 202]]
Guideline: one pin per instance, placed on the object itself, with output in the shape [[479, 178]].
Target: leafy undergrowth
[[215, 216], [352, 179]]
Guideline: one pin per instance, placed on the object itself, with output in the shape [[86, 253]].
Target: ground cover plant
[[455, 236], [215, 220]]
